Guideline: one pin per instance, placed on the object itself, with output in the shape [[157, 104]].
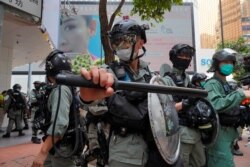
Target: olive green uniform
[[2, 110], [62, 123], [220, 154], [192, 150], [14, 115], [129, 151]]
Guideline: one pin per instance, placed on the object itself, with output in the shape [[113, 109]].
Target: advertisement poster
[[80, 34]]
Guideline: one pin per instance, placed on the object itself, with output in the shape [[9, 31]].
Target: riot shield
[[164, 123]]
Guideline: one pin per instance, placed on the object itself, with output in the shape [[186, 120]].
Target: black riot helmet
[[57, 62], [180, 49], [203, 116], [220, 56], [198, 77], [17, 87], [37, 84], [126, 31]]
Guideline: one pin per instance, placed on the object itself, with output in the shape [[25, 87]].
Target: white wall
[[23, 81], [5, 67], [50, 19]]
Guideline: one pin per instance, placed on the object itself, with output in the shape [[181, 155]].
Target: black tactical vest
[[128, 109], [17, 101], [231, 117]]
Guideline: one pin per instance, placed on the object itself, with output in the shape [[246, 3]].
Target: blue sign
[[205, 62]]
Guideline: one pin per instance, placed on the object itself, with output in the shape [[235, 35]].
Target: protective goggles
[[122, 42]]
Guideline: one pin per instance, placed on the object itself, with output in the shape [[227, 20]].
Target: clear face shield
[[118, 42], [123, 46]]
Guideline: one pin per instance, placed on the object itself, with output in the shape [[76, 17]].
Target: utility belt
[[229, 120], [124, 131]]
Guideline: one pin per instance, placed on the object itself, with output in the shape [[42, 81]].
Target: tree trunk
[[108, 53]]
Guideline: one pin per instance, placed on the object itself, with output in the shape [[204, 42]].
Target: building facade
[[245, 20], [231, 21]]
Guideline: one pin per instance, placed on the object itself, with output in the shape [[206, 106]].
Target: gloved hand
[[188, 102]]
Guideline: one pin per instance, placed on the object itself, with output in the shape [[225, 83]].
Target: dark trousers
[[155, 159]]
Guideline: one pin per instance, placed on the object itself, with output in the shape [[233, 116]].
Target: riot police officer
[[198, 80], [34, 108], [15, 105], [127, 147], [226, 102], [59, 102], [192, 151]]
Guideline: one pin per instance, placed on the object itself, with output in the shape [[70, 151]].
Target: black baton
[[80, 81]]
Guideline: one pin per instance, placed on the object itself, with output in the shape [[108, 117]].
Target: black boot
[[7, 135], [21, 133], [36, 140], [26, 127], [14, 130]]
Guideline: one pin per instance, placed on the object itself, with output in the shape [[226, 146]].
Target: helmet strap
[[141, 55], [132, 53]]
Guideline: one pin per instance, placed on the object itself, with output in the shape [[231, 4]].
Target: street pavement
[[20, 151]]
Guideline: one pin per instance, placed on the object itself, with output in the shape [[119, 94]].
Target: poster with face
[[79, 39]]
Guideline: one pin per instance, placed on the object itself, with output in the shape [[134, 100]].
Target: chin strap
[[131, 57], [141, 55]]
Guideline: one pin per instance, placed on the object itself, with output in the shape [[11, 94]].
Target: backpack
[[17, 101]]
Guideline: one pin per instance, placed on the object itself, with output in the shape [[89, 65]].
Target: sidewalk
[[21, 155], [20, 152]]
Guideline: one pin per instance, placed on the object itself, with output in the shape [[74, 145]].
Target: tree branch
[[112, 18]]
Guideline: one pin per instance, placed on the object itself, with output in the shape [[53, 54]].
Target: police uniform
[[33, 102], [34, 108], [58, 123], [128, 110], [62, 122], [130, 150], [192, 150], [220, 154], [15, 104], [2, 110]]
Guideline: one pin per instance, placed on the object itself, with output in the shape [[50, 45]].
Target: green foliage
[[80, 61], [239, 46], [99, 62], [243, 50], [153, 9]]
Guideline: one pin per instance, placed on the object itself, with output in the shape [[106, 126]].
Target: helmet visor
[[122, 42]]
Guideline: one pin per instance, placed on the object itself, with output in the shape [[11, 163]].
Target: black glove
[[187, 103]]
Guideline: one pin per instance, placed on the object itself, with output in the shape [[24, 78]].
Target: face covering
[[124, 54], [226, 69], [202, 83], [18, 90], [181, 64]]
